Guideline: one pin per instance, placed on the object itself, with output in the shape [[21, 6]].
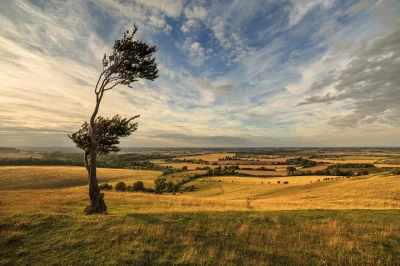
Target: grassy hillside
[[44, 224], [313, 237], [36, 177]]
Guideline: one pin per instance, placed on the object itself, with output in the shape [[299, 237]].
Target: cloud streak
[[232, 73]]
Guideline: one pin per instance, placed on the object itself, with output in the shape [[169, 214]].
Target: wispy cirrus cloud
[[277, 73]]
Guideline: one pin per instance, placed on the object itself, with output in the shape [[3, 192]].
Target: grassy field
[[37, 177], [341, 222]]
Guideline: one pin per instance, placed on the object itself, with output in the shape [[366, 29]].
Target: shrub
[[249, 201], [149, 190], [189, 188], [396, 171], [120, 186], [286, 182], [290, 168], [105, 187], [363, 172], [129, 188], [278, 182], [138, 186], [160, 184]]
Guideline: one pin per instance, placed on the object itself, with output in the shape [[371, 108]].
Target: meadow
[[227, 220]]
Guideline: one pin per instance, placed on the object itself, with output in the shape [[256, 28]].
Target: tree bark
[[97, 204]]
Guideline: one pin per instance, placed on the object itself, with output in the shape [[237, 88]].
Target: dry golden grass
[[39, 177], [373, 192], [382, 165], [344, 160], [302, 192], [211, 226]]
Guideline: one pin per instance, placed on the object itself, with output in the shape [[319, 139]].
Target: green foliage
[[351, 165], [290, 168], [109, 130], [396, 171], [120, 186], [190, 188], [131, 60], [149, 190], [138, 186], [106, 187], [300, 161], [160, 184]]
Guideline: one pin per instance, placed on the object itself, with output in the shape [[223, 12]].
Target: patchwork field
[[226, 220], [213, 157]]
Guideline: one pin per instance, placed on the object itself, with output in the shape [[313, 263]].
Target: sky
[[234, 73]]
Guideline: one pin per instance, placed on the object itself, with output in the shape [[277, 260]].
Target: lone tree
[[131, 60]]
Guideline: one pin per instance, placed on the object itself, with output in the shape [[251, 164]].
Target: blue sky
[[232, 73]]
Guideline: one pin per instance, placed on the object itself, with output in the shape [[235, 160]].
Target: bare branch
[[116, 83]]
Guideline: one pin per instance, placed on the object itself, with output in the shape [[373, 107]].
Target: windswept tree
[[130, 61]]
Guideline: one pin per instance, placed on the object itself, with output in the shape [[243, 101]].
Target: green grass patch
[[312, 237]]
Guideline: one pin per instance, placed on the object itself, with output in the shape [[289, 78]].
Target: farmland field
[[232, 219], [39, 177], [207, 157], [261, 172]]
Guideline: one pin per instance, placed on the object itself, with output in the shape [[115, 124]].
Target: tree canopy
[[108, 132]]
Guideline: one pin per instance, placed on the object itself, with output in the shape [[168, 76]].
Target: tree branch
[[116, 83], [97, 84]]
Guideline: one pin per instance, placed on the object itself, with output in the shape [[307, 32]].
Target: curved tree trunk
[[97, 204]]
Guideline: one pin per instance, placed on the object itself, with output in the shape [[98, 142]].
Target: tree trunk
[[97, 204]]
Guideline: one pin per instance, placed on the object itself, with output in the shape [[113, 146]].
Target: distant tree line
[[347, 169], [161, 185], [129, 160], [302, 162]]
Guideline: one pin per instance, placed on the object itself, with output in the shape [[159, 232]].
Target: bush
[[129, 188], [160, 184], [286, 182], [138, 186], [278, 182], [363, 173], [396, 171], [149, 190], [105, 187], [120, 186], [189, 188], [290, 168]]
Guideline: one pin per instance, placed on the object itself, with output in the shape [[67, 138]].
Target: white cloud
[[197, 12], [189, 25], [172, 8], [301, 7]]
